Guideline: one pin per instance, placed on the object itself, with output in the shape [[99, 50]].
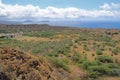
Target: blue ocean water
[[85, 24]]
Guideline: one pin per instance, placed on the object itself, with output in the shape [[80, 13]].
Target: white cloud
[[107, 6], [20, 12], [117, 6]]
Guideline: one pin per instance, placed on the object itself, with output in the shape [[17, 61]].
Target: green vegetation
[[60, 63], [61, 47], [102, 66], [116, 50], [86, 48], [41, 34], [102, 38], [99, 52], [105, 59], [3, 31], [91, 50]]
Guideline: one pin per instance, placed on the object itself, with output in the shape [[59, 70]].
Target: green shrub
[[105, 69], [99, 52], [116, 51], [41, 34], [94, 74], [53, 54], [69, 42], [59, 63], [105, 59], [102, 38], [75, 46], [85, 64], [47, 34], [94, 63], [63, 51], [76, 57], [86, 47], [102, 66], [3, 31]]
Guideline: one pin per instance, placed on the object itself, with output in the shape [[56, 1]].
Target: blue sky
[[59, 9], [86, 4]]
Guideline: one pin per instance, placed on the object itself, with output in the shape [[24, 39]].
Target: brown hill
[[16, 65]]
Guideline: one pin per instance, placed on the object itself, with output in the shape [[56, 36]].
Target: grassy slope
[[84, 53]]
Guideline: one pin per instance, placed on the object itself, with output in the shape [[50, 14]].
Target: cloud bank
[[20, 12], [113, 6]]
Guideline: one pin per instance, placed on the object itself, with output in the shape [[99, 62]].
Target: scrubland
[[71, 53]]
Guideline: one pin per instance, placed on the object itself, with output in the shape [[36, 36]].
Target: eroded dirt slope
[[16, 65]]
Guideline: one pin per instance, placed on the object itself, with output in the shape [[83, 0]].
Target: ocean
[[85, 24]]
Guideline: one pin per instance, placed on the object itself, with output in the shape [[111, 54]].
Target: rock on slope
[[16, 65]]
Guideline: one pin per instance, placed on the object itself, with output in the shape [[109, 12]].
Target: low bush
[[41, 34], [116, 51], [77, 57], [103, 65], [105, 69], [85, 64], [99, 52], [59, 63], [94, 74], [86, 48], [105, 59]]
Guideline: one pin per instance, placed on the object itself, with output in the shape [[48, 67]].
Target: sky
[[36, 10]]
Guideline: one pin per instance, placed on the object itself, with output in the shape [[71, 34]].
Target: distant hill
[[24, 22]]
